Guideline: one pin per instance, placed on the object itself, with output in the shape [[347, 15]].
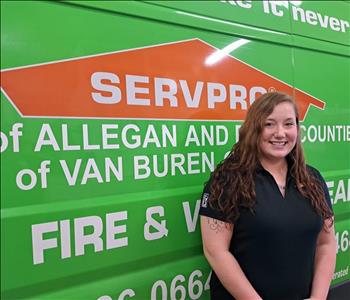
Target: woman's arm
[[216, 237], [324, 263]]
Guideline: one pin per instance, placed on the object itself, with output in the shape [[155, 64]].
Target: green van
[[113, 115]]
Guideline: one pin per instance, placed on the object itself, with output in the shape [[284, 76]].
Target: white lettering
[[141, 163], [32, 180], [192, 136], [91, 171], [65, 142], [112, 230], [135, 138], [39, 243], [132, 90], [311, 17], [65, 239], [151, 137], [87, 146], [191, 222], [334, 23], [159, 227], [116, 170], [106, 136], [71, 178], [238, 94], [96, 82], [161, 94], [94, 238], [298, 10], [216, 93], [191, 101], [51, 141]]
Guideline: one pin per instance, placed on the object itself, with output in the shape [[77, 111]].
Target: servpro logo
[[178, 80]]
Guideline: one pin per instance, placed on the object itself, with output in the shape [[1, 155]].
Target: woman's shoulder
[[313, 171], [316, 173], [205, 208], [207, 184]]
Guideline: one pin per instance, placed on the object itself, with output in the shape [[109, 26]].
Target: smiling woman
[[279, 134], [273, 236]]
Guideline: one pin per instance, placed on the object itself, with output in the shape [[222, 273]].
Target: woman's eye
[[289, 124], [268, 124]]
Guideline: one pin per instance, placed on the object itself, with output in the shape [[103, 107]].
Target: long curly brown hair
[[232, 183]]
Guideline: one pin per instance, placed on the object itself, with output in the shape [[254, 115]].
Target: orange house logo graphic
[[167, 81]]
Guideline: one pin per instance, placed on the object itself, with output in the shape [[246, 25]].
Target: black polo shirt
[[276, 246]]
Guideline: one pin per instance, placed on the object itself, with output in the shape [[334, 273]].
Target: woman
[[266, 217]]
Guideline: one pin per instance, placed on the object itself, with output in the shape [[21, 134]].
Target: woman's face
[[279, 134]]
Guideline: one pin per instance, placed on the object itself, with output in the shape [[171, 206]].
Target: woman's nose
[[279, 132]]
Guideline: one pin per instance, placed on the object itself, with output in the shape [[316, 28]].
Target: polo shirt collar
[[260, 168]]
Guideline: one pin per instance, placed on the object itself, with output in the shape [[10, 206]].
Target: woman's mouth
[[279, 143]]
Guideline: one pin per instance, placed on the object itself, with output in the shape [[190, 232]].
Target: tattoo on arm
[[216, 225]]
